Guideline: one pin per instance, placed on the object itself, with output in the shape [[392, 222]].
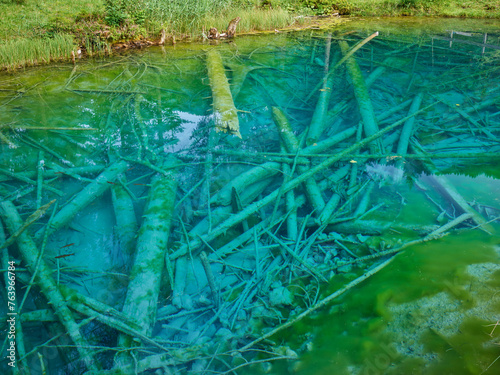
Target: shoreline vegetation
[[33, 32]]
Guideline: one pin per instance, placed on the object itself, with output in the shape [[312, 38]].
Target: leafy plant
[[115, 12], [329, 6], [119, 11], [419, 4]]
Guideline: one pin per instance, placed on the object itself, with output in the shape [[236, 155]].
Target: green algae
[[360, 328]]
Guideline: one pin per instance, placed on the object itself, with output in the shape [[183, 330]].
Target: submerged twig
[[318, 305]]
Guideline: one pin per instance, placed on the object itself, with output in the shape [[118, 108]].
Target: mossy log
[[126, 222], [219, 214], [44, 280], [321, 303], [362, 97], [318, 121], [347, 55], [105, 314], [299, 201], [152, 244], [239, 75], [255, 174], [446, 188], [319, 116], [292, 144], [84, 198], [91, 169], [20, 177], [269, 169], [291, 209], [407, 130], [225, 112], [254, 207]]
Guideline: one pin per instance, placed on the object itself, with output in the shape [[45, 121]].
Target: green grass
[[23, 51], [251, 20], [443, 8], [182, 16], [34, 17], [195, 16]]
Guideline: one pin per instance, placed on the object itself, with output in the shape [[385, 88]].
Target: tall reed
[[251, 19], [182, 16], [23, 51]]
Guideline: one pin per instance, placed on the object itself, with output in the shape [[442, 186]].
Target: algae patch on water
[[431, 311]]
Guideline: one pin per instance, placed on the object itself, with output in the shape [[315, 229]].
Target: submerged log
[[363, 98], [347, 55], [408, 129], [144, 286], [45, 281], [30, 220], [240, 73], [92, 169], [84, 198], [446, 188], [292, 144], [291, 209], [254, 207], [325, 301], [126, 223], [318, 120], [226, 116], [269, 169]]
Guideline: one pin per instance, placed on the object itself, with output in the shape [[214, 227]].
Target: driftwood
[[347, 55], [254, 207], [449, 191], [318, 120], [407, 130], [22, 178], [319, 305], [29, 221]]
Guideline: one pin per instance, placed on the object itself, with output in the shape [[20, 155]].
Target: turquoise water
[[180, 219]]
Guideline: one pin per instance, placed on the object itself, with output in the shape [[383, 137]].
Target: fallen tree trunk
[[146, 275], [407, 130], [226, 116], [126, 223], [44, 280], [363, 98], [292, 145], [84, 197], [445, 188], [254, 207], [318, 120], [269, 169]]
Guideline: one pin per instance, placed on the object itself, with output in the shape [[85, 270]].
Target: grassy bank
[[34, 31], [442, 8]]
